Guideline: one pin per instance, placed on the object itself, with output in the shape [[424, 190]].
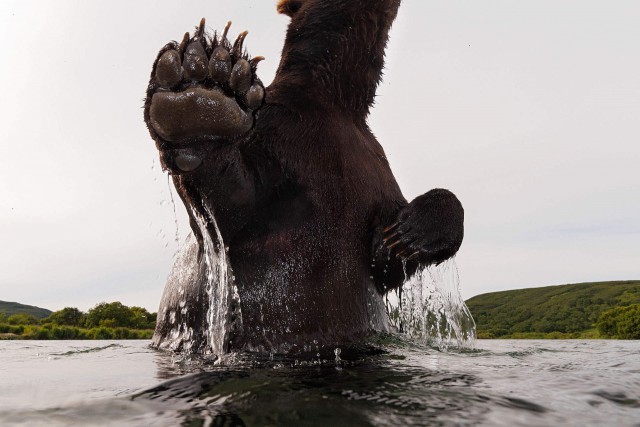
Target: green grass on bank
[[62, 332], [590, 334], [583, 310]]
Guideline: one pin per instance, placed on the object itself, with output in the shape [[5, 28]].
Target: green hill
[[11, 308], [568, 309]]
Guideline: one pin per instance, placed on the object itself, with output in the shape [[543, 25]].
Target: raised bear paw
[[429, 230], [202, 90]]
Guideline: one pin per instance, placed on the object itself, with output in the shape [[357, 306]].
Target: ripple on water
[[619, 398], [87, 350], [403, 384]]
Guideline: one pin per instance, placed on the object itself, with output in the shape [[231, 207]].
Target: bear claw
[[202, 89], [428, 230]]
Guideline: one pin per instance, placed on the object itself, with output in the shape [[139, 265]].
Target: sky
[[529, 111]]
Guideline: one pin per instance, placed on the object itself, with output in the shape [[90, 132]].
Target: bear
[[288, 185]]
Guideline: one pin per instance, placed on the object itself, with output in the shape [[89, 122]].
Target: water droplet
[[429, 307]]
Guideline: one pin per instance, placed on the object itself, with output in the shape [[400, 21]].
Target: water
[[224, 302], [208, 288], [125, 383], [429, 308]]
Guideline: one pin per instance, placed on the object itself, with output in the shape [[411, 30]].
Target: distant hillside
[[565, 308], [10, 308]]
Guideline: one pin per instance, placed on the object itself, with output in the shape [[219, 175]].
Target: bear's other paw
[[201, 90], [429, 230]]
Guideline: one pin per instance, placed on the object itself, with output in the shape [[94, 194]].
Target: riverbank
[[61, 332], [591, 334], [576, 311]]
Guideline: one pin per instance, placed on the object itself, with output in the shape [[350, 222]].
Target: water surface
[[500, 383]]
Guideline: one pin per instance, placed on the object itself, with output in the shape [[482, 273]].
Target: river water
[[501, 382]]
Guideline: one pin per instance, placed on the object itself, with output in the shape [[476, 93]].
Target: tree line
[[584, 310], [621, 322], [104, 321]]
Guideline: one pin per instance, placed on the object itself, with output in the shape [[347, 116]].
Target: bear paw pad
[[203, 88]]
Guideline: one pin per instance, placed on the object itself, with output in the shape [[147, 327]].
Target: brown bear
[[292, 182]]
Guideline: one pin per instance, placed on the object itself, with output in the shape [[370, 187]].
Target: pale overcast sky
[[529, 111]]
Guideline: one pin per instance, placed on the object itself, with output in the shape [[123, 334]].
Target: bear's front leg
[[201, 105], [200, 109], [427, 231]]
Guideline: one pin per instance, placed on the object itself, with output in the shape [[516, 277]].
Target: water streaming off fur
[[429, 308], [206, 287], [224, 302]]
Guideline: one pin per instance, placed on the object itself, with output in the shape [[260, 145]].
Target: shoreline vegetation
[[105, 321], [600, 310], [46, 332]]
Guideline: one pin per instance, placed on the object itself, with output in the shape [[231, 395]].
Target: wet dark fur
[[304, 199]]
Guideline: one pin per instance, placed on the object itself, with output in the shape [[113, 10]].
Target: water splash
[[173, 312], [429, 308], [171, 187], [200, 306], [223, 313]]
